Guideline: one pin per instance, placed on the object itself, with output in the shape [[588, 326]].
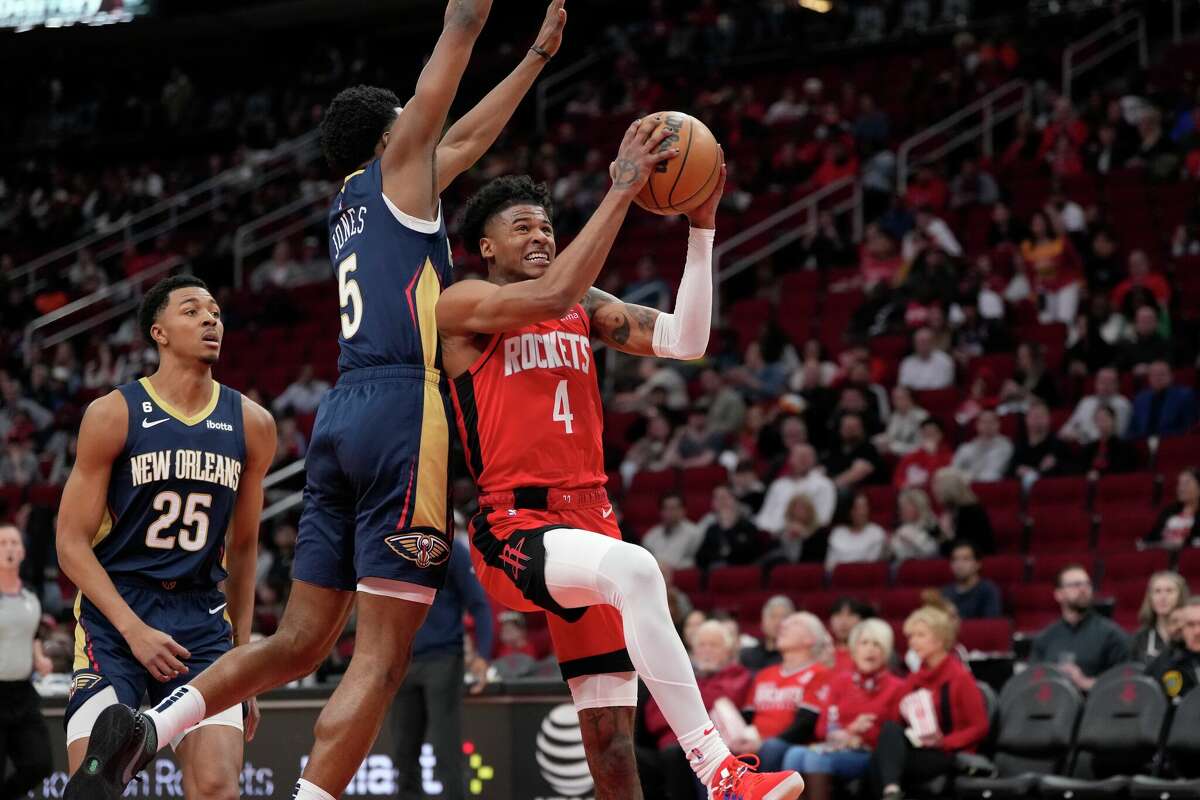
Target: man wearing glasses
[[1083, 644]]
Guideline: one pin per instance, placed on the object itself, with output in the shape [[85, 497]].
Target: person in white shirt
[[927, 368], [675, 540], [986, 457], [936, 232], [858, 540], [804, 477], [303, 395], [1081, 427], [903, 433]]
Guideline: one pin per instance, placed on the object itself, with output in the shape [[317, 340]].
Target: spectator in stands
[[731, 537], [903, 431], [765, 653], [1178, 668], [303, 395], [854, 461], [926, 368], [1146, 344], [1103, 153], [872, 125], [858, 376], [693, 445], [858, 539], [963, 517], [1051, 267], [1166, 592], [656, 377], [982, 396], [1083, 643], [648, 451], [855, 709], [726, 408], [1177, 526], [718, 675], [1109, 454], [1101, 263], [958, 703], [803, 477], [1030, 381], [931, 232], [844, 615], [786, 109], [675, 540], [803, 538], [1039, 452], [1156, 152], [747, 487], [973, 187], [986, 457], [1162, 409], [514, 637], [1142, 287], [278, 271], [879, 258], [648, 288], [919, 534], [916, 469], [1082, 427], [291, 443], [1004, 232], [786, 699], [1088, 351], [974, 596], [18, 463]]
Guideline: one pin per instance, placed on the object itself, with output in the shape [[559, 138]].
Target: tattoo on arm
[[625, 173], [617, 321]]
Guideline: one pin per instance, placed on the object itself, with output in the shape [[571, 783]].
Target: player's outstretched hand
[[639, 154], [705, 215], [158, 653], [549, 38], [253, 717]]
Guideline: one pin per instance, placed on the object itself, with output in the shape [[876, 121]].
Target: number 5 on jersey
[[349, 296], [562, 406]]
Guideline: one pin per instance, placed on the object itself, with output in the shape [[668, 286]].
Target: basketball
[[685, 182]]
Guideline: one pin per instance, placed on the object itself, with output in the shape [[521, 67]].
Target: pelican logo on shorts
[[423, 549], [84, 681], [560, 755]]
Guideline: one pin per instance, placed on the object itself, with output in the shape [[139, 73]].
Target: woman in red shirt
[[961, 716], [857, 704]]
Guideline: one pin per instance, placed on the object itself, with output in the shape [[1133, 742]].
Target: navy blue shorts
[[195, 619], [376, 499]]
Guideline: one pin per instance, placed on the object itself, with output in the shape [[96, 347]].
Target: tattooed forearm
[[645, 317], [617, 326], [626, 173]]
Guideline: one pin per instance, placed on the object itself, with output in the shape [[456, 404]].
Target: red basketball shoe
[[736, 780]]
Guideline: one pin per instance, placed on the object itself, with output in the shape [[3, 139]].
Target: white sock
[[705, 751], [310, 791], [585, 569], [178, 712]]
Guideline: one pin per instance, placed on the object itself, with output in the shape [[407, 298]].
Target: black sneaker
[[122, 742]]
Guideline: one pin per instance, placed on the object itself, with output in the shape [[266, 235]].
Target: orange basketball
[[686, 181]]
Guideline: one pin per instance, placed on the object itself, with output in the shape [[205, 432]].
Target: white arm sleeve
[[683, 334]]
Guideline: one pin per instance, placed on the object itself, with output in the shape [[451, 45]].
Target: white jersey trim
[[415, 223]]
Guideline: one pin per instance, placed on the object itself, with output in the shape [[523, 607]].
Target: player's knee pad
[[633, 568], [614, 689]]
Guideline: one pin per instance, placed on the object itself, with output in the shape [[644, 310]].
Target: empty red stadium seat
[[1125, 491], [1064, 491], [898, 603], [1175, 453], [1127, 594], [882, 500], [1008, 524], [1122, 527], [45, 495], [1034, 597], [818, 603], [666, 480], [986, 635], [1189, 563], [1046, 567], [1004, 570], [998, 494], [795, 578], [940, 403], [924, 573], [704, 479], [735, 579], [641, 511], [867, 575], [687, 580], [1135, 565], [1060, 529]]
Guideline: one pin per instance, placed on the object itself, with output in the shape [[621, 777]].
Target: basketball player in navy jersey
[[375, 528], [163, 504]]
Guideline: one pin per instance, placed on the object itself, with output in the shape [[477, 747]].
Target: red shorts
[[510, 560]]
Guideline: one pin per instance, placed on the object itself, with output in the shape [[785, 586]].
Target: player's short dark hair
[[155, 300], [497, 195], [353, 123]]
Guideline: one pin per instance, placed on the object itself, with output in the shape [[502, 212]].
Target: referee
[[24, 740]]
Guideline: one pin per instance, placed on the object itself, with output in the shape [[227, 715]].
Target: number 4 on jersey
[[562, 406]]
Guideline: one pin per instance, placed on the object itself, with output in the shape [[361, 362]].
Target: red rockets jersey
[[777, 695], [528, 409]]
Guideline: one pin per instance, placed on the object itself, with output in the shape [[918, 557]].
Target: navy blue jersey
[[390, 268], [172, 490]]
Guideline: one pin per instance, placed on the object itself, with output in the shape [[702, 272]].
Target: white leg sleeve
[[683, 334], [586, 569], [604, 691]]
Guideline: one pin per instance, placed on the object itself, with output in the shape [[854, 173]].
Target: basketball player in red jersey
[[518, 350]]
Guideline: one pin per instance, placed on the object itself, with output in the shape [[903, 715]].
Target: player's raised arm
[[470, 137], [471, 307], [683, 333], [242, 541], [101, 439], [409, 167]]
